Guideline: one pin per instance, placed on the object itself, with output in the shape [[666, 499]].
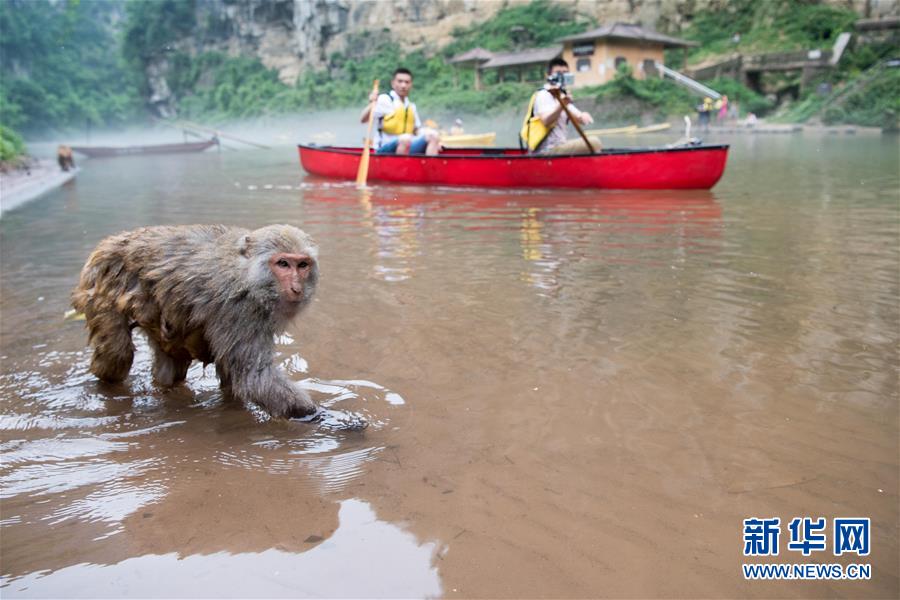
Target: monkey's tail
[[100, 283]]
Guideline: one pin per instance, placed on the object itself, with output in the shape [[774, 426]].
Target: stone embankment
[[23, 184]]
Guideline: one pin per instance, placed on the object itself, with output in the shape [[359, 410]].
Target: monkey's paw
[[336, 420]]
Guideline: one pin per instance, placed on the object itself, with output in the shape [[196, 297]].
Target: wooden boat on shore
[[611, 130], [110, 151], [629, 130], [651, 128], [469, 140], [689, 167]]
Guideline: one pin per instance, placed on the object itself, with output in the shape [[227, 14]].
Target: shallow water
[[569, 393]]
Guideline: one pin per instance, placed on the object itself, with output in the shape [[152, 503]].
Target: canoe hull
[[108, 151], [695, 167]]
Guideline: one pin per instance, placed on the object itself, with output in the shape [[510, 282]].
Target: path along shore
[[21, 185]]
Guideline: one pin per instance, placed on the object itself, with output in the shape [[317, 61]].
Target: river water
[[570, 393]]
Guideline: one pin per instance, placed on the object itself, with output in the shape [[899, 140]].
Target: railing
[[731, 65], [773, 60], [687, 82]]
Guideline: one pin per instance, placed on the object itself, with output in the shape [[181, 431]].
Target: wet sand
[[570, 394]]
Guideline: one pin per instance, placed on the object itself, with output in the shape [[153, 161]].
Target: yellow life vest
[[533, 130], [402, 120]]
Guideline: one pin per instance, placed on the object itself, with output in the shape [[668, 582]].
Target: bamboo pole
[[220, 134], [189, 125]]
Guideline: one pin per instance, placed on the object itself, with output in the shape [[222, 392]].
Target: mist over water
[[570, 393], [337, 127]]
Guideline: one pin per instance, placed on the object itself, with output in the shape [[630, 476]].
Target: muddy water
[[571, 394]]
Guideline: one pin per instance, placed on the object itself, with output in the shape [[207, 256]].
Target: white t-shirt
[[385, 105], [545, 103]]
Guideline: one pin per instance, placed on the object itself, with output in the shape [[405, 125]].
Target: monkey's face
[[294, 274]]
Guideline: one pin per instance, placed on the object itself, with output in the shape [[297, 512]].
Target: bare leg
[[273, 391], [169, 369], [113, 348], [434, 144], [403, 144]]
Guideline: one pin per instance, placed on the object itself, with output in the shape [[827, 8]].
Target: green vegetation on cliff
[[539, 23], [875, 103], [871, 98], [213, 86], [69, 63], [58, 66], [782, 25], [627, 100], [766, 26], [153, 25]]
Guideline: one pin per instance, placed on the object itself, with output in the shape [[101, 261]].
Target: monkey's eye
[[283, 263], [303, 264]]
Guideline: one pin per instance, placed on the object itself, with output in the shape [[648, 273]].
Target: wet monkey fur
[[212, 293]]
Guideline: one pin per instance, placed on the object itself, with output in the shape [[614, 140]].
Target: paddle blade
[[363, 173]]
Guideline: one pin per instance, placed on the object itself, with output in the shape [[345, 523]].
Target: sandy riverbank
[[19, 186]]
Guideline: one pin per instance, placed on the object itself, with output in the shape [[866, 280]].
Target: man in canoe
[[545, 128], [399, 127]]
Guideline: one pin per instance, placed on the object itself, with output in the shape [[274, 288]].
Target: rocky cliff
[[290, 35], [293, 35]]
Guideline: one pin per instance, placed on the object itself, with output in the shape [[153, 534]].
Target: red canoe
[[691, 167], [107, 151]]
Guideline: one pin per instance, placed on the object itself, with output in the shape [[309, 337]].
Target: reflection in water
[[363, 558], [590, 383], [396, 236], [79, 452], [544, 266]]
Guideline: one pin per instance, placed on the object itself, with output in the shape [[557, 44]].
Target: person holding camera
[[400, 129], [545, 128]]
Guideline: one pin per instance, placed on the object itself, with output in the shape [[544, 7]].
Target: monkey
[[211, 293], [64, 158]]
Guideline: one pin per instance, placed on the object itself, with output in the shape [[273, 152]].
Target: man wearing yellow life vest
[[400, 130], [544, 129]]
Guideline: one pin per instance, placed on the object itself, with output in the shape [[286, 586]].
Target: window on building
[[583, 49], [650, 67], [621, 60], [582, 65]]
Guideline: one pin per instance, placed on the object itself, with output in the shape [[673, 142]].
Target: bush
[[625, 98], [748, 100], [11, 145], [877, 104], [539, 23], [803, 110], [769, 26]]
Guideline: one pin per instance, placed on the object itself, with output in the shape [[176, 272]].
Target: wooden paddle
[[557, 93], [363, 173]]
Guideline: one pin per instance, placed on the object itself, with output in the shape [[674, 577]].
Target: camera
[[561, 80]]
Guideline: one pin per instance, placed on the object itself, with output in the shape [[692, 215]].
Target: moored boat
[[629, 130], [108, 151], [689, 167], [611, 130], [651, 128]]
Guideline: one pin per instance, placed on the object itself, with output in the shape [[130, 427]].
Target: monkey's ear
[[244, 245]]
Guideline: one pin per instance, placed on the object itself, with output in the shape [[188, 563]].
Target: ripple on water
[[76, 450], [334, 450]]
